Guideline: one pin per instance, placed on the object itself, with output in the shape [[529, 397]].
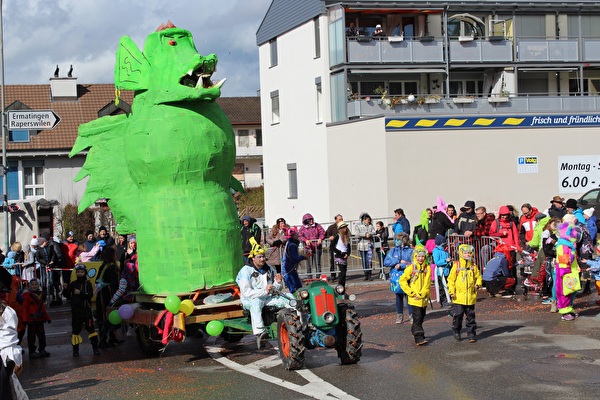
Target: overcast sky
[[39, 34]]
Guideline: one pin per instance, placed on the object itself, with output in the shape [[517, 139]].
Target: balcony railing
[[431, 50], [250, 151], [385, 51], [478, 105]]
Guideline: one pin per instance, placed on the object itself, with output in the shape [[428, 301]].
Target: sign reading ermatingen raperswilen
[[32, 119]]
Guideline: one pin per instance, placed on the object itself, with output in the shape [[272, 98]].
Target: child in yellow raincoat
[[463, 282], [415, 282]]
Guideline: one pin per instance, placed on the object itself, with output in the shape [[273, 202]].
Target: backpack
[[395, 280]]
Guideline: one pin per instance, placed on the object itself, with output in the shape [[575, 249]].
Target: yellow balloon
[[187, 307]]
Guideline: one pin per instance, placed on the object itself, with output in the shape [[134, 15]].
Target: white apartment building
[[491, 101]]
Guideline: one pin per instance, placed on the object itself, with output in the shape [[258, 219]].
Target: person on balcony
[[351, 30], [378, 32]]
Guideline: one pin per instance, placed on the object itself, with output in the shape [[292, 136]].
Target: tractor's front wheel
[[291, 339], [349, 336]]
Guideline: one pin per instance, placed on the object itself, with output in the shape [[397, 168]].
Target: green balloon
[[172, 303], [114, 317], [214, 328]]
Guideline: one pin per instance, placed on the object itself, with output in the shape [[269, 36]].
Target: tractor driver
[[255, 281]]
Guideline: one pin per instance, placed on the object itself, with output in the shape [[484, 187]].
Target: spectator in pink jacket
[[312, 235]]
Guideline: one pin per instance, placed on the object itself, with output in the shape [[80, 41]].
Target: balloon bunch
[[124, 312]]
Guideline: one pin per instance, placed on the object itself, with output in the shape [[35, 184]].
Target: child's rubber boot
[[95, 348], [76, 350]]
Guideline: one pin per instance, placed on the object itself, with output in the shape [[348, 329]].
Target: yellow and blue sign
[[393, 124]]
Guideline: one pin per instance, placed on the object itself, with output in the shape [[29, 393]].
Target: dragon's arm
[[105, 166]]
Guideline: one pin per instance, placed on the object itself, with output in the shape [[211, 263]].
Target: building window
[[33, 178], [259, 137], [369, 88], [293, 181], [18, 136], [317, 38], [403, 88], [273, 51], [466, 87], [275, 107], [243, 138], [319, 100]]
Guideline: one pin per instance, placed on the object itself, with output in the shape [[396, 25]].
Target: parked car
[[591, 199]]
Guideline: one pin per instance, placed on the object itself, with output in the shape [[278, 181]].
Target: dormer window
[[18, 136]]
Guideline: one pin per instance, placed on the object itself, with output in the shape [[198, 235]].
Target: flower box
[[463, 100], [498, 99]]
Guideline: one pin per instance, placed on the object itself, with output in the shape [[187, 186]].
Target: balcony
[[248, 152], [395, 51], [398, 50], [478, 105]]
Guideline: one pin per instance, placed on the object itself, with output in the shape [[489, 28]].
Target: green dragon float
[[166, 167]]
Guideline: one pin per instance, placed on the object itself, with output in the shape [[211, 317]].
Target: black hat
[[468, 204], [571, 203], [88, 233], [5, 280], [439, 240], [540, 216]]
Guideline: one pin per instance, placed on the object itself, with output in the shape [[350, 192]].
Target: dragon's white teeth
[[190, 72], [220, 83], [199, 83]]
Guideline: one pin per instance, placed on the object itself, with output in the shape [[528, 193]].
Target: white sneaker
[[399, 319], [410, 318], [130, 331]]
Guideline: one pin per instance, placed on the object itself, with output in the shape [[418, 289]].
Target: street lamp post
[[3, 121]]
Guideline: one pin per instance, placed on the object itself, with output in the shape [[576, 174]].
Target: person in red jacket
[[527, 223], [35, 316], [69, 257], [506, 230]]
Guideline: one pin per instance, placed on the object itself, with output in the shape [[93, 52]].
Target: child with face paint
[[463, 282], [415, 282]]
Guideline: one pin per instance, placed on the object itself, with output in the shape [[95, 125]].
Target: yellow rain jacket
[[416, 281], [462, 279]]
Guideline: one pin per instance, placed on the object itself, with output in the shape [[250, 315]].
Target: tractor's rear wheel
[[349, 336], [291, 339]]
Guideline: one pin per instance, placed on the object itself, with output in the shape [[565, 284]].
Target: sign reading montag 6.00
[[577, 174]]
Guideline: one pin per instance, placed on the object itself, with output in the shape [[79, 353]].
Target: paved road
[[523, 352]]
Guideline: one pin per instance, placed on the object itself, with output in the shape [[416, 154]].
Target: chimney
[[63, 88]]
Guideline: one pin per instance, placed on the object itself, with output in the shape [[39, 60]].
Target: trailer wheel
[[231, 337], [291, 339], [349, 336], [149, 340]]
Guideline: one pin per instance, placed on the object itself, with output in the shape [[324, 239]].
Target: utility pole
[[3, 122]]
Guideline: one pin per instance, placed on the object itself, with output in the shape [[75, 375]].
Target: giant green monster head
[[169, 68]]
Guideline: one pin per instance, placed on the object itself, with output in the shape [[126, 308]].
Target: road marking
[[316, 387], [62, 333]]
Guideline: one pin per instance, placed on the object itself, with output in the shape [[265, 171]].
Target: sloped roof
[[241, 110], [91, 99]]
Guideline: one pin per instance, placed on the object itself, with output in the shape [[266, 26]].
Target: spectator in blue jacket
[[442, 259], [400, 224], [496, 276], [399, 257]]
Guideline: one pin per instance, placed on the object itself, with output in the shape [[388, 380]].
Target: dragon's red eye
[[172, 42]]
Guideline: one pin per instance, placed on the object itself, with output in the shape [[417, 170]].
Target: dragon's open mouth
[[199, 78]]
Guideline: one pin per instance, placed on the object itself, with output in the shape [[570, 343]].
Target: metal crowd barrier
[[354, 261]]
